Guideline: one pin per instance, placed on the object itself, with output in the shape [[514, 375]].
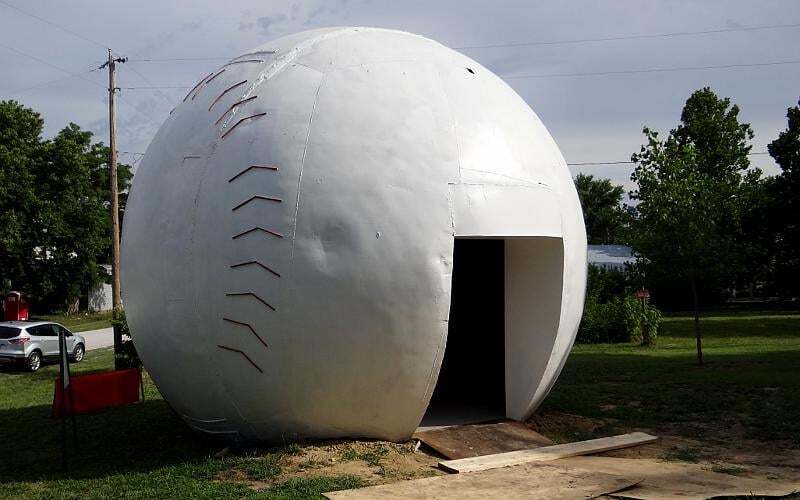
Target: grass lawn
[[750, 382], [80, 322], [141, 451]]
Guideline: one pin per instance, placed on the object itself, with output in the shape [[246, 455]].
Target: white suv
[[31, 342]]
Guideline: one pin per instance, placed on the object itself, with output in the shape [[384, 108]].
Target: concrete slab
[[97, 339]]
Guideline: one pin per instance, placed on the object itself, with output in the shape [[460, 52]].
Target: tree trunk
[[697, 324]]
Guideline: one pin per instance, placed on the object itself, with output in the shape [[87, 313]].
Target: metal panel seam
[[452, 120], [303, 163], [439, 355]]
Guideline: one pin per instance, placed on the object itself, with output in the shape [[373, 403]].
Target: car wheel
[[78, 353], [34, 361]]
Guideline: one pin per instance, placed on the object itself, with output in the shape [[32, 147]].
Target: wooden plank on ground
[[524, 481], [463, 441], [681, 481], [546, 453], [588, 477]]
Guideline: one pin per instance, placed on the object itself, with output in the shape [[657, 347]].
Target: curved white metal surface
[[288, 239]]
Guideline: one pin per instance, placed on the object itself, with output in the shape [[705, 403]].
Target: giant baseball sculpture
[[288, 239]]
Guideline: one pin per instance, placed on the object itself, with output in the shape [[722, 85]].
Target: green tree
[[603, 211], [786, 214], [20, 150], [55, 222], [690, 197], [756, 235]]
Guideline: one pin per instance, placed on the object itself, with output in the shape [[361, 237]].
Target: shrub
[[622, 319], [127, 357], [650, 325], [605, 284], [611, 314], [602, 322], [642, 320]]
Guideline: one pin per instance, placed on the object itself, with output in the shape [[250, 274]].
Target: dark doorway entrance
[[471, 384]]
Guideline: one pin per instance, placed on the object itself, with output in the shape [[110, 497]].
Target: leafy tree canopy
[[691, 190], [54, 198], [603, 211], [786, 213]]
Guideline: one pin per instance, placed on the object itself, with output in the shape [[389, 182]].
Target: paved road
[[96, 339]]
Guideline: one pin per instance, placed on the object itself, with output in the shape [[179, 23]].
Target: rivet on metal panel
[[250, 294], [240, 121], [249, 327], [231, 349], [255, 263], [252, 167], [257, 228], [230, 108], [256, 197], [225, 92]]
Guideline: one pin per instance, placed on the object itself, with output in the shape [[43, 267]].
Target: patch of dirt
[[567, 428], [374, 462], [717, 446]]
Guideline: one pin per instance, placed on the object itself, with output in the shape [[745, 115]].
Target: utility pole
[[116, 300]]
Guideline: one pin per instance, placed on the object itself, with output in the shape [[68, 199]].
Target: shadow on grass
[[756, 395], [19, 368], [136, 438], [776, 326]]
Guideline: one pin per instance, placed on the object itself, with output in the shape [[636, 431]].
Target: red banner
[[97, 391]]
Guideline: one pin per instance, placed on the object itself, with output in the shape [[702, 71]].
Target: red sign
[[97, 391], [642, 293]]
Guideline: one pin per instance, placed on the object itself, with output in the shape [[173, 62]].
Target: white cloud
[[591, 118]]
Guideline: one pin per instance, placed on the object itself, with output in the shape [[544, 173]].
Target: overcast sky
[[593, 117]]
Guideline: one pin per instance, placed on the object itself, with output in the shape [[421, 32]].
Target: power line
[[555, 75], [157, 87], [23, 90], [587, 163], [650, 70], [48, 63], [170, 59], [62, 28], [623, 162], [580, 164], [543, 42], [148, 82], [71, 75], [626, 37]]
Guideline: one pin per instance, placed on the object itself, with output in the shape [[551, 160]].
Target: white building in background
[[345, 231], [610, 256], [100, 296]]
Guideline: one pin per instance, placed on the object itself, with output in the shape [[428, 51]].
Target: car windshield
[[7, 332]]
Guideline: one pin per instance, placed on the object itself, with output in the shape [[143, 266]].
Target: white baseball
[[288, 240]]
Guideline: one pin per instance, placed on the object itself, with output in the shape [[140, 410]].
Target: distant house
[[99, 296], [610, 256]]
